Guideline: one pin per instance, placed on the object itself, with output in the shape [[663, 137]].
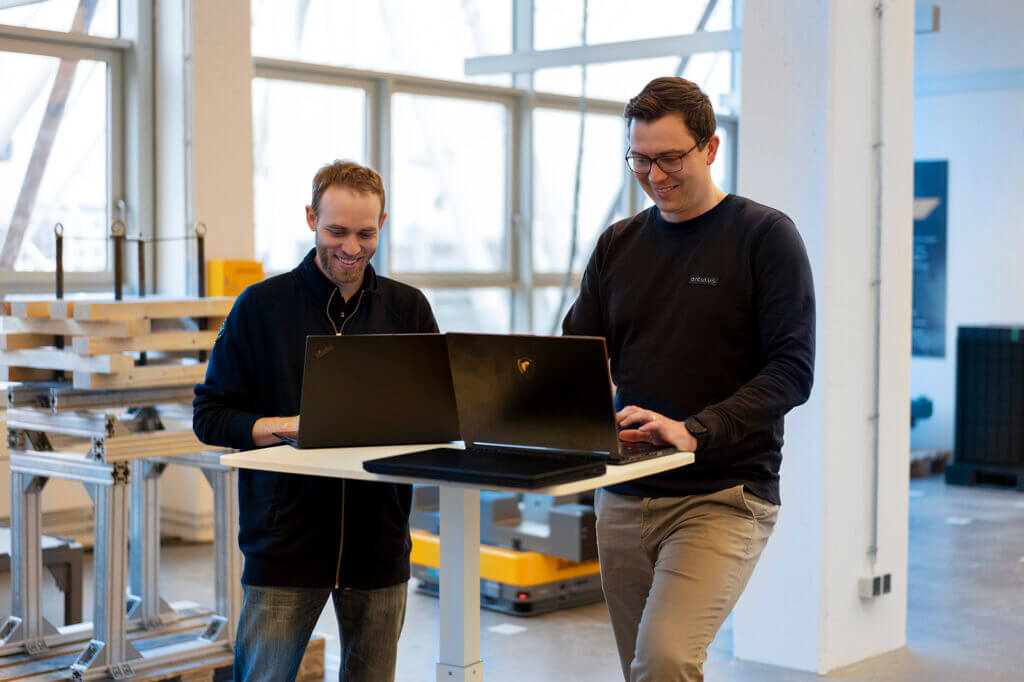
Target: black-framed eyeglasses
[[669, 163]]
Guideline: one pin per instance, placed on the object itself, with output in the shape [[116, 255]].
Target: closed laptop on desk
[[533, 411]]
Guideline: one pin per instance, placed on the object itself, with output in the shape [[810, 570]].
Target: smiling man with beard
[[298, 548]]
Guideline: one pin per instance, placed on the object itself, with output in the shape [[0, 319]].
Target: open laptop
[[388, 389], [533, 410]]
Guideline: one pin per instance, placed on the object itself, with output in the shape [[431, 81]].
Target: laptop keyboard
[[630, 452], [511, 451]]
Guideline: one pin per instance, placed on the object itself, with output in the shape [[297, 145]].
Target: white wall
[[806, 147], [969, 110]]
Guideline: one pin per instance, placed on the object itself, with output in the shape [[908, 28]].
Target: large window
[[449, 179], [558, 23], [602, 184], [95, 17], [547, 313], [61, 136], [297, 128], [53, 161], [423, 38], [471, 310], [480, 176]]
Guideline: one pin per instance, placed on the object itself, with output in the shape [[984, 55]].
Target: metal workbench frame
[[125, 494]]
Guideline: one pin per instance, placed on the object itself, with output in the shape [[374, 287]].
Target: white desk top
[[348, 463]]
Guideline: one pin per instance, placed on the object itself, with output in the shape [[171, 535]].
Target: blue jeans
[[276, 623]]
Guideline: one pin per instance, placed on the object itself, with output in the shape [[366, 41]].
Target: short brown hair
[[668, 95], [346, 174]]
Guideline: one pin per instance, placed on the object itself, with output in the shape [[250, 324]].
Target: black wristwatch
[[699, 431]]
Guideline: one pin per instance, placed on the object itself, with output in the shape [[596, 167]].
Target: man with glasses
[[707, 305]]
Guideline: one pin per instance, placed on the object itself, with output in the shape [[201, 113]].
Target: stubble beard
[[337, 275]]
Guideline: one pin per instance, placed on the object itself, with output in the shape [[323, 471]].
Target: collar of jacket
[[321, 286]]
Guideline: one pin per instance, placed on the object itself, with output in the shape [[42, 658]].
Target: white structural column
[[204, 139], [460, 576], [807, 146], [221, 144]]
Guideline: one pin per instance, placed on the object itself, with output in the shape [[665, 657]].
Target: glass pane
[[545, 303], [721, 169], [613, 80], [385, 35], [713, 72], [98, 18], [623, 80], [53, 162], [297, 128], [472, 310], [555, 137], [557, 23], [450, 162]]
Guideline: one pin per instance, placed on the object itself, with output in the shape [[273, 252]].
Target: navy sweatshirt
[[291, 526], [712, 317]]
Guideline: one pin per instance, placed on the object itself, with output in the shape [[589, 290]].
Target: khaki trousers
[[672, 569]]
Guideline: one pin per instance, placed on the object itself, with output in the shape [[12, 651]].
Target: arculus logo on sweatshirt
[[704, 280], [321, 351]]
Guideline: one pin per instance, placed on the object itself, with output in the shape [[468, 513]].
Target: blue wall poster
[[931, 186]]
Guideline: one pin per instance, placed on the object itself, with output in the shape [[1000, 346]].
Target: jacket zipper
[[341, 540]]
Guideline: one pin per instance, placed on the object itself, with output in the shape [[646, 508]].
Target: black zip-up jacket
[[291, 526]]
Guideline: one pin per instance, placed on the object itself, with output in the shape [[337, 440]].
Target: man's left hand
[[641, 425]]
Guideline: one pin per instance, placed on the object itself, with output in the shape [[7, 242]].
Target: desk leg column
[[460, 586]]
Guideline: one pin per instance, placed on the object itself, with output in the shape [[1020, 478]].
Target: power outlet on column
[[874, 585]]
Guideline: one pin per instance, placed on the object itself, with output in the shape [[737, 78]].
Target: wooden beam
[[22, 341], [155, 308], [154, 444], [40, 308], [41, 358], [120, 329], [162, 341], [144, 376], [26, 374]]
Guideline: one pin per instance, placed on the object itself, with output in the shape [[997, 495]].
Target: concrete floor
[[965, 610]]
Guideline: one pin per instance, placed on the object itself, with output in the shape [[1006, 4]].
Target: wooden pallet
[[103, 339], [55, 663], [970, 473], [217, 668], [925, 462]]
